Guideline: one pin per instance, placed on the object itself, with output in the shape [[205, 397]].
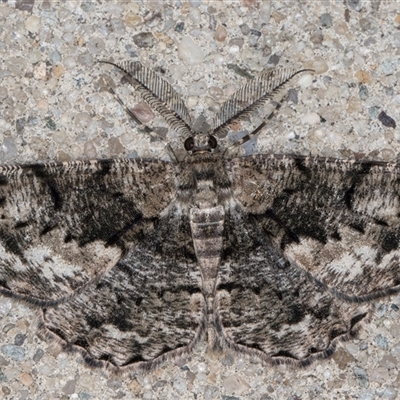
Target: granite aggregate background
[[54, 105]]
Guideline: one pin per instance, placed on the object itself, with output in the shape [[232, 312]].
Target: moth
[[132, 262]]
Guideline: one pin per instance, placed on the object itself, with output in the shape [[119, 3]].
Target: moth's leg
[[142, 126], [255, 132]]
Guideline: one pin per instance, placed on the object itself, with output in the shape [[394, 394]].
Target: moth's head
[[200, 143], [202, 139]]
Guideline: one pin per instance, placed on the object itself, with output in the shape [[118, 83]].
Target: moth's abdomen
[[207, 227]]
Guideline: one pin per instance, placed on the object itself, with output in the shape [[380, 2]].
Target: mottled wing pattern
[[313, 239], [146, 309], [65, 225]]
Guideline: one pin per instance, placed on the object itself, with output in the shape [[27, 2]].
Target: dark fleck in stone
[[19, 339], [20, 125], [274, 59], [389, 91], [86, 59], [381, 341], [373, 112], [361, 377], [69, 387], [8, 326], [25, 5], [114, 384], [159, 385], [179, 26], [368, 25], [347, 15], [354, 4], [255, 32], [325, 20], [245, 29], [386, 120], [38, 355], [316, 37], [50, 124], [363, 92], [144, 40], [131, 51], [240, 71], [2, 377]]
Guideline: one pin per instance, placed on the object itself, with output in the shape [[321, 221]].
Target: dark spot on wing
[[11, 244], [21, 225], [389, 241], [348, 196], [47, 229], [55, 195]]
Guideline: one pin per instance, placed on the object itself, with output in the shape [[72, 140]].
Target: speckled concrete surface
[[54, 106]]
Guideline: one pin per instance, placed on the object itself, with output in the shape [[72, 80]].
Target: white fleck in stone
[[96, 45], [396, 350], [235, 384], [320, 66], [198, 88], [219, 59], [367, 395], [305, 81], [82, 120], [216, 92], [195, 15], [9, 149], [201, 376], [5, 306], [87, 382], [379, 375], [290, 135], [351, 348], [311, 118], [389, 67], [189, 52], [192, 102], [32, 24], [201, 367], [69, 62], [180, 385], [34, 56], [148, 395], [16, 66], [389, 393], [39, 71], [89, 150]]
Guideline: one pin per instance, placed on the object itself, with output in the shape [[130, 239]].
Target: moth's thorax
[[202, 180]]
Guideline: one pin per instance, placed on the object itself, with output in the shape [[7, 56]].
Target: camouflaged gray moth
[[133, 262]]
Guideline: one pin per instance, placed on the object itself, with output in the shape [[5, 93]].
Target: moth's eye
[[189, 144], [212, 142]]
